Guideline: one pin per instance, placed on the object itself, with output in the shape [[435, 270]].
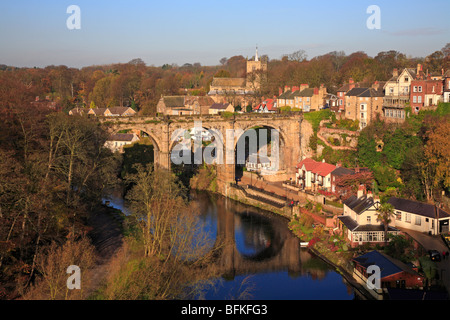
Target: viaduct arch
[[162, 130]]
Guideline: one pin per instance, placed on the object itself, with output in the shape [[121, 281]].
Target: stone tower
[[254, 68]]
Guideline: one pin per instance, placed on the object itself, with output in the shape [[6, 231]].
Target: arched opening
[[192, 149], [136, 147], [259, 150]]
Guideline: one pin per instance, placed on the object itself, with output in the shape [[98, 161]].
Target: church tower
[[254, 68], [256, 64]]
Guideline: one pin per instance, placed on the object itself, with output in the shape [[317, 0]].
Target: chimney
[[361, 191], [375, 85], [316, 91], [419, 68], [37, 98], [395, 72], [295, 88], [351, 84], [287, 88], [369, 194], [339, 164], [304, 86], [280, 91]]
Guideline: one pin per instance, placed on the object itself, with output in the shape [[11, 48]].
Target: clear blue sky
[[34, 33]]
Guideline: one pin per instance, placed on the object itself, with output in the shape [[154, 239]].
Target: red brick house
[[425, 93], [393, 273]]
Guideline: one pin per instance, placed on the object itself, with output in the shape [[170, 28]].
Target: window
[[418, 221], [362, 107], [420, 88], [362, 115], [369, 219], [398, 215], [415, 89], [419, 99], [408, 217], [406, 79], [391, 90], [414, 99]]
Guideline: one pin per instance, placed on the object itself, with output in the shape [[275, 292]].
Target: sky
[[35, 33]]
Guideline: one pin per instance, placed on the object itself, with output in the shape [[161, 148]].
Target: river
[[262, 260]]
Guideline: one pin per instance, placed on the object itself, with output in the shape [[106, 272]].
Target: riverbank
[[340, 261]]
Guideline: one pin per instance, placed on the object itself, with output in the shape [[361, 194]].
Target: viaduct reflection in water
[[253, 241]]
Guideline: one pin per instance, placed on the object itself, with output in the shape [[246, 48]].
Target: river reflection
[[261, 255]]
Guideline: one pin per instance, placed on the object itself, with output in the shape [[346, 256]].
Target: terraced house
[[363, 104]]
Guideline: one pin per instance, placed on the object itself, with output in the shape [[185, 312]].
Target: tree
[[223, 61], [384, 215], [435, 169], [298, 56]]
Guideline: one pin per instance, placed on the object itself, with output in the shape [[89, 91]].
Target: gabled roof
[[307, 92], [420, 208], [98, 111], [202, 100], [359, 205], [364, 92], [228, 82], [341, 171], [122, 137], [121, 110], [173, 101], [388, 265], [269, 103], [286, 95], [321, 168]]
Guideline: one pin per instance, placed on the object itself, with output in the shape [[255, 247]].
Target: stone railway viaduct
[[163, 133]]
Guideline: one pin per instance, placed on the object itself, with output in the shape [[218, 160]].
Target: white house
[[419, 216], [117, 141]]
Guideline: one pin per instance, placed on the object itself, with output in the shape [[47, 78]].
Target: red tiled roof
[[321, 168]]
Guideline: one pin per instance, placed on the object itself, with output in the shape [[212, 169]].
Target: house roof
[[348, 222], [120, 110], [202, 100], [307, 92], [173, 101], [122, 137], [364, 92], [352, 225], [388, 265], [269, 103], [99, 111], [77, 111], [341, 171], [321, 168], [286, 95], [359, 205], [228, 82], [420, 208]]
